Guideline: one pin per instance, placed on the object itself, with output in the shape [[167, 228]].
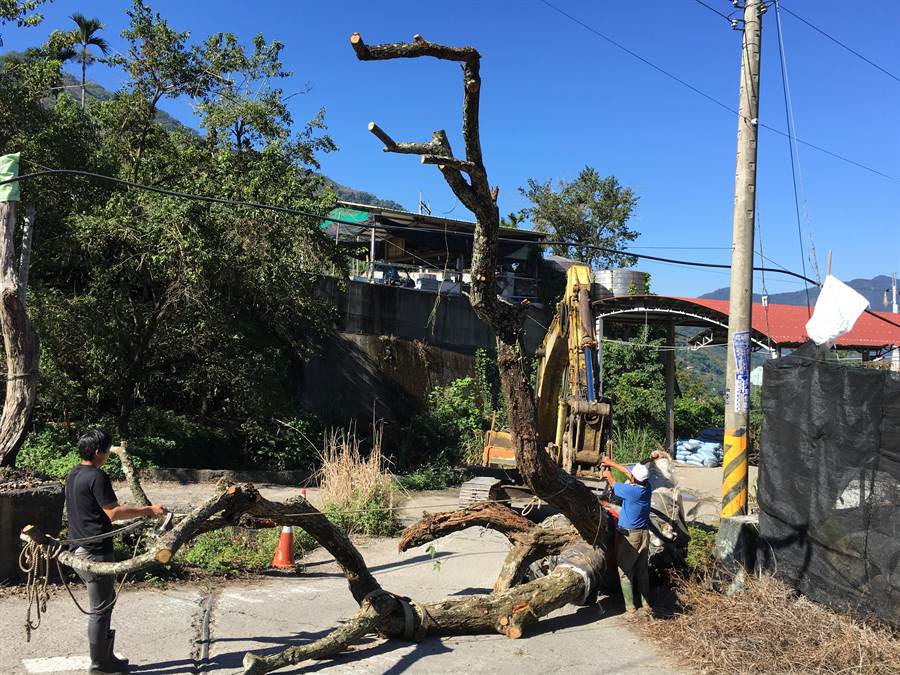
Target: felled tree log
[[484, 514], [530, 542], [507, 613], [529, 547], [229, 499]]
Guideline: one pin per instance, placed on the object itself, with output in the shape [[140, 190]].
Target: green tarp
[[9, 168], [346, 216]]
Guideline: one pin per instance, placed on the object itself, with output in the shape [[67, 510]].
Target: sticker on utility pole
[[741, 345]]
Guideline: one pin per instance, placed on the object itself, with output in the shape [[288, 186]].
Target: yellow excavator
[[573, 422]]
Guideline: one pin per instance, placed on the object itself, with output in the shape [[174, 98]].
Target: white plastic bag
[[837, 310]]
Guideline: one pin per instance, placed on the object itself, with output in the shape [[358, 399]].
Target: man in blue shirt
[[632, 534]]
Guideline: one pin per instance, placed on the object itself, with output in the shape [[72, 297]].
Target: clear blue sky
[[556, 97]]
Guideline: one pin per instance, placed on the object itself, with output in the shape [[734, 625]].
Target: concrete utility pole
[[737, 378], [895, 352]]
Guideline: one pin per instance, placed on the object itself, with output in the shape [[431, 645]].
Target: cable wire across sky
[[709, 97], [373, 226]]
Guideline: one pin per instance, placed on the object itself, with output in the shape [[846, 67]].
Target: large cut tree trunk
[[548, 480], [19, 339]]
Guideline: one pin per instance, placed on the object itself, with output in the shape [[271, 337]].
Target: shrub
[[357, 491], [452, 426], [633, 444], [51, 451], [695, 414], [230, 551], [700, 546], [284, 444], [435, 475]]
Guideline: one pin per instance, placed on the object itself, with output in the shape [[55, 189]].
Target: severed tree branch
[[137, 490], [484, 514]]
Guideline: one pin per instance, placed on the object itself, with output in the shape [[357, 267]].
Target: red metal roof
[[786, 324]]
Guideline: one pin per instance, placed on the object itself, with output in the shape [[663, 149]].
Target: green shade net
[[9, 168], [346, 215]]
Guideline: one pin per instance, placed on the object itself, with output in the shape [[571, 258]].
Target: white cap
[[640, 473]]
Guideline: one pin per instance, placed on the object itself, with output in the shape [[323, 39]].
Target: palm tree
[[85, 37]]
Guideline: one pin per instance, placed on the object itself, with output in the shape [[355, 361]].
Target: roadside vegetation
[[768, 628], [177, 325], [358, 492]]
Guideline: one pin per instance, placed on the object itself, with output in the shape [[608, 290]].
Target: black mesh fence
[[829, 482]]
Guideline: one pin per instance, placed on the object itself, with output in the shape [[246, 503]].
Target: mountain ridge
[[871, 289]]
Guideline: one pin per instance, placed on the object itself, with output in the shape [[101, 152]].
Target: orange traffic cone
[[284, 554]]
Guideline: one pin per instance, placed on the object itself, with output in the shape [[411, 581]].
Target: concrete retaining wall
[[41, 506], [392, 345]]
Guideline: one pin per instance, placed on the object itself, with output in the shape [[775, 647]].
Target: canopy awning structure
[[404, 237], [773, 325]]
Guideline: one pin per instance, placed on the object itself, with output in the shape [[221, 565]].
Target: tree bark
[[19, 339], [546, 478], [137, 490]]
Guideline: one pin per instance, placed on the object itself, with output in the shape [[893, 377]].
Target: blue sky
[[556, 97]]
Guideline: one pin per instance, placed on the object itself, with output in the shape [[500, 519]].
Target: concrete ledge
[[42, 506], [212, 475]]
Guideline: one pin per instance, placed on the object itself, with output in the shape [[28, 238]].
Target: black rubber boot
[[100, 662], [111, 658]]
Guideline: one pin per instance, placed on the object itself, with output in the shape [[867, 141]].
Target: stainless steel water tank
[[615, 283]]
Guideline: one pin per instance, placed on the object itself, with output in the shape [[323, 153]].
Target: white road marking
[[56, 664]]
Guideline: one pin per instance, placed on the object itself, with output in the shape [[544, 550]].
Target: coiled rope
[[35, 559]]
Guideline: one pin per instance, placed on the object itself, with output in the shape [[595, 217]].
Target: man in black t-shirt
[[91, 506]]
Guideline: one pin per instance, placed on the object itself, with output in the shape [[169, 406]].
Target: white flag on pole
[[836, 312]]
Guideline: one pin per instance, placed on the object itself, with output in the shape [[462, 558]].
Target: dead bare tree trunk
[[548, 480], [19, 339]]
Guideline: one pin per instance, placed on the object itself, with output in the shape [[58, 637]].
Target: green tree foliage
[[592, 209], [634, 378], [22, 12], [161, 317]]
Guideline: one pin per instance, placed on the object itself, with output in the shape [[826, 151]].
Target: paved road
[[160, 630]]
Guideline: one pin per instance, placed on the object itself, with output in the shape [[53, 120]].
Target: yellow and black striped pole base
[[734, 473]]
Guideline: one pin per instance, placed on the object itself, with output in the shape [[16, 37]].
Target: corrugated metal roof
[[782, 325], [786, 324]]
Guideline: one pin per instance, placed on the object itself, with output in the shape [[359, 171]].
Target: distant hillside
[[101, 93], [872, 289], [348, 194]]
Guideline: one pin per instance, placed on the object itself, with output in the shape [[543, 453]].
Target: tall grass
[[357, 489]]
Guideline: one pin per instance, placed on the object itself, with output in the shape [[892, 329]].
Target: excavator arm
[[571, 422]]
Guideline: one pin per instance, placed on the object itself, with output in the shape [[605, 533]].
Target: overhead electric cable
[[319, 216], [790, 122], [714, 10], [838, 42], [708, 97]]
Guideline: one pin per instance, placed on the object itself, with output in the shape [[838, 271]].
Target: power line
[[708, 97], [714, 10], [319, 216], [838, 42], [790, 122], [308, 214]]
